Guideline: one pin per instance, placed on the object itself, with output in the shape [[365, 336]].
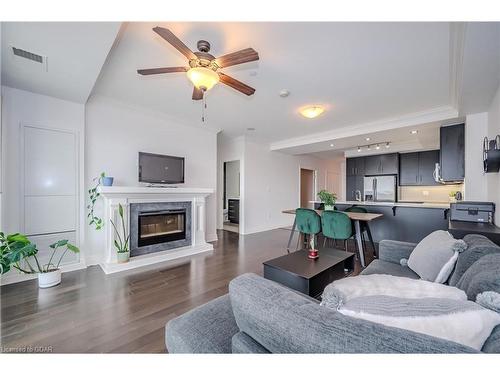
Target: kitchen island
[[403, 221]]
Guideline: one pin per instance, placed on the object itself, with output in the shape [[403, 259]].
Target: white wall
[[493, 179], [25, 108], [115, 133], [272, 184], [476, 128]]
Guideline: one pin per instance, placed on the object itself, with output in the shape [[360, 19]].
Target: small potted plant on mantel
[[328, 199], [121, 242], [18, 252]]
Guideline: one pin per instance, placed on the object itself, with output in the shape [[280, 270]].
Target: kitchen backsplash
[[434, 194]]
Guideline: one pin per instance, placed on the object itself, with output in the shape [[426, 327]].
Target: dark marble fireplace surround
[[140, 208]]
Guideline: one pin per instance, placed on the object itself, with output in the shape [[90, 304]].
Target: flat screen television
[[160, 169]]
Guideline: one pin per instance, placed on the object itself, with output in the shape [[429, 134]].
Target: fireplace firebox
[[159, 226]]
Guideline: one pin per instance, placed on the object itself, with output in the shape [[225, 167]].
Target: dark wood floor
[[127, 312]]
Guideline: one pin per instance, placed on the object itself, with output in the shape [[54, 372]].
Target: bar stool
[[336, 225], [308, 222], [365, 229]]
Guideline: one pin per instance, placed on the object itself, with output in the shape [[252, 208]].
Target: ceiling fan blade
[[147, 72], [176, 42], [197, 94], [235, 84], [239, 57]]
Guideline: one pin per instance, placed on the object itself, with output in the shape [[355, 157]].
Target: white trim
[[411, 119], [457, 46]]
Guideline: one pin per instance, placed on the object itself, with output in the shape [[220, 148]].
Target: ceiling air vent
[[27, 55]]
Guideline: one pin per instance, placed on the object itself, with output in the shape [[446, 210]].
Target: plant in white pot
[[328, 199], [121, 242], [18, 252]]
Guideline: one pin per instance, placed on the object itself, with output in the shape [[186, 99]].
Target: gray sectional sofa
[[261, 316]]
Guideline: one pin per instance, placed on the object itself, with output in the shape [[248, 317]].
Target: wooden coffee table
[[307, 276]]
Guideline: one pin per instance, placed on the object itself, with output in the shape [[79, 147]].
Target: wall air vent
[[27, 55]]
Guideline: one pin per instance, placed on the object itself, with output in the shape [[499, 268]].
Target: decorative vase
[[107, 181], [123, 257], [329, 207], [49, 279]]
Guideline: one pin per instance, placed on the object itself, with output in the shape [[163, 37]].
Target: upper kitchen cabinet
[[417, 168], [381, 164], [452, 159], [355, 166]]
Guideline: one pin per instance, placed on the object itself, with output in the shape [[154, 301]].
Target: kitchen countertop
[[442, 205]]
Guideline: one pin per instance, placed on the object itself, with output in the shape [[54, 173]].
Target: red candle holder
[[313, 254]]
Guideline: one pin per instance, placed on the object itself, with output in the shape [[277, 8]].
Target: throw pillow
[[343, 290], [463, 322], [482, 276], [435, 256]]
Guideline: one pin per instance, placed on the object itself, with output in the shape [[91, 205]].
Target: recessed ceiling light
[[414, 132], [312, 111], [368, 138], [331, 144], [284, 93]]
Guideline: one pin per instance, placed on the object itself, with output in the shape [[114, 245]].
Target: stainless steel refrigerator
[[380, 189]]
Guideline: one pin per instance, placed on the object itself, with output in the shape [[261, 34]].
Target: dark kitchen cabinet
[[452, 155], [381, 164], [416, 168], [354, 183], [355, 166]]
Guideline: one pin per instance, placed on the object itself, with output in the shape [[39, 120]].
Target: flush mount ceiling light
[[203, 78], [312, 111]]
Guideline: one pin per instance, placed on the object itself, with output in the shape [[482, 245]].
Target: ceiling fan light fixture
[[312, 111], [203, 78]]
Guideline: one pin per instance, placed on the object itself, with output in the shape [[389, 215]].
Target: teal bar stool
[[363, 225], [308, 222], [336, 225]]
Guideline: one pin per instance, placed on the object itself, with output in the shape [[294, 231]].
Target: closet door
[[50, 187]]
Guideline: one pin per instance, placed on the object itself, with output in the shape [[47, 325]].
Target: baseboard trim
[[20, 277]]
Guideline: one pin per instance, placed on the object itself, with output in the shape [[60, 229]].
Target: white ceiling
[[75, 55], [368, 75]]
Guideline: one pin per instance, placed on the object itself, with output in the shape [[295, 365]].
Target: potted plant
[[328, 199], [121, 242], [16, 247]]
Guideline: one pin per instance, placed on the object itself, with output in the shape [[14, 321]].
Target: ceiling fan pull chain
[[204, 106]]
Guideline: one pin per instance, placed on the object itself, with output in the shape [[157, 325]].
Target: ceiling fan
[[203, 70]]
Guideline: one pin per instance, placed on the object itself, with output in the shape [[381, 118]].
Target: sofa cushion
[[244, 344], [482, 276], [477, 247], [285, 322], [205, 329], [383, 267], [492, 345], [434, 258]]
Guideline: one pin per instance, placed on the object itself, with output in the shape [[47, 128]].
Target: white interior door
[[50, 186]]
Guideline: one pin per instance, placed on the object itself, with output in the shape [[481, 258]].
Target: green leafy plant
[[121, 241], [327, 198], [94, 220], [16, 247]]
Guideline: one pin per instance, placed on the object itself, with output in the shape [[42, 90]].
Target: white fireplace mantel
[[125, 195]]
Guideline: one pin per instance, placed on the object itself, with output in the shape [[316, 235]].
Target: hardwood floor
[[127, 312]]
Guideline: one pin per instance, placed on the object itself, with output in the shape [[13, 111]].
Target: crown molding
[[457, 46], [411, 119]]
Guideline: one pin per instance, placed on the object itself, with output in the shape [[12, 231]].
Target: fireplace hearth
[[159, 226]]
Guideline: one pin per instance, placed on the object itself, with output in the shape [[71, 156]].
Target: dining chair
[[308, 223], [336, 225]]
